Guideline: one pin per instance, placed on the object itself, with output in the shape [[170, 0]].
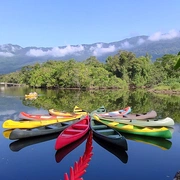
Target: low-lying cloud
[[6, 54], [56, 51], [140, 41], [7, 112], [98, 50], [126, 45], [161, 36]]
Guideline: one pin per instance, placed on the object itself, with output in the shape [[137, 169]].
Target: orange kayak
[[24, 115]]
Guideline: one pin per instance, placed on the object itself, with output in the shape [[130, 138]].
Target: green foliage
[[177, 64], [120, 71]]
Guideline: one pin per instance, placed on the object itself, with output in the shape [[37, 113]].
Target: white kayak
[[144, 122]]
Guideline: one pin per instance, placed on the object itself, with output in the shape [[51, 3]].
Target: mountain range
[[14, 57]]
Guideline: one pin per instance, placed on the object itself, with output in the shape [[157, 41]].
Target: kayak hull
[[11, 124], [144, 122], [107, 134], [162, 132], [73, 133], [24, 115], [45, 130]]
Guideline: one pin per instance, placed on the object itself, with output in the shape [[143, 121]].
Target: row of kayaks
[[111, 127]]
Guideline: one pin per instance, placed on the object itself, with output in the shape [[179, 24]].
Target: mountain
[[14, 57]]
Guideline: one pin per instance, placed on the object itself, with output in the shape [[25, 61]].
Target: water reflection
[[6, 133], [112, 148], [139, 155], [80, 166], [161, 143], [22, 143]]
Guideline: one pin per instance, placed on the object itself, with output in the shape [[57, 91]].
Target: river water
[[36, 158]]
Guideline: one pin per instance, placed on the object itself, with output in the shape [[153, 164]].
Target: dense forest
[[123, 70]]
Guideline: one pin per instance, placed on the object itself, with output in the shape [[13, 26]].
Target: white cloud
[[56, 51], [6, 54], [140, 41], [160, 36], [126, 45], [98, 50], [7, 112]]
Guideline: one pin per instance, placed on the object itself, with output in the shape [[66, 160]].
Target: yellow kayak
[[7, 133], [11, 124], [31, 95], [76, 110]]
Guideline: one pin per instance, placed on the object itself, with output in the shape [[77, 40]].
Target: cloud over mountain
[[160, 36], [98, 50], [14, 57], [55, 51], [6, 54]]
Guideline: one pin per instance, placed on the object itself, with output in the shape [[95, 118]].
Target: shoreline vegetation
[[121, 71], [176, 92]]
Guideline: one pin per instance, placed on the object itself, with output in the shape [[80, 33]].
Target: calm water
[[36, 158]]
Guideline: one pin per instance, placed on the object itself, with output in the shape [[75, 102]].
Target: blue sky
[[52, 23]]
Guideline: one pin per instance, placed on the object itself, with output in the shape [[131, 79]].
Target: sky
[[53, 23]]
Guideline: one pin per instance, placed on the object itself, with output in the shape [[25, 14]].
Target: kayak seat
[[67, 135], [105, 131], [99, 127], [114, 136], [74, 131], [80, 126]]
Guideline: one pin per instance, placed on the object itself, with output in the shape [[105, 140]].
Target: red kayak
[[23, 115], [61, 153], [73, 132]]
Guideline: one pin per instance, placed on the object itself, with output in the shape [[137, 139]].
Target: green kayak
[[162, 132]]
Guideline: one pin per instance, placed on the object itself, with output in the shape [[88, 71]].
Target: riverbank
[[164, 91]]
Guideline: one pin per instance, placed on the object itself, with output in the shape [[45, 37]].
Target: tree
[[177, 65], [178, 62], [93, 62]]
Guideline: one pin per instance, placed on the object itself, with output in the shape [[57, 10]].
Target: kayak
[[31, 95], [32, 124], [147, 115], [162, 132], [24, 115], [61, 153], [73, 132], [142, 123], [108, 134], [102, 110], [119, 112], [25, 133], [76, 111]]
